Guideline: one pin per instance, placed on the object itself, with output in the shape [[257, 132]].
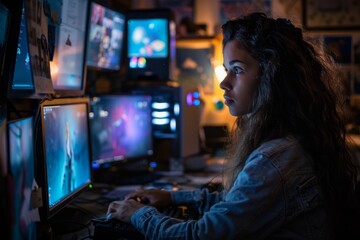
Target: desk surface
[[95, 201]]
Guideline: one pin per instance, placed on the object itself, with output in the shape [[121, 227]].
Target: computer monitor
[[4, 186], [65, 162], [105, 37], [21, 84], [22, 170], [150, 44], [121, 129], [68, 68], [3, 141], [4, 23]]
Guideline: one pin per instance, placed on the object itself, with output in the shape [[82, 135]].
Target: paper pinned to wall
[[37, 28]]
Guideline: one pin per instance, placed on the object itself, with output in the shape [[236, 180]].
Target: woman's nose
[[224, 85]]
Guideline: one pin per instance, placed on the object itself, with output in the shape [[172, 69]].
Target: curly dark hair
[[299, 95]]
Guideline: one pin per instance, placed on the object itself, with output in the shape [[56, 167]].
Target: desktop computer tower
[[175, 122]]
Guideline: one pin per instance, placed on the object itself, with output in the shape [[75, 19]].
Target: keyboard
[[115, 230]]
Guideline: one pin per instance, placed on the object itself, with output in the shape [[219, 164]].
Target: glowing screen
[[66, 139]]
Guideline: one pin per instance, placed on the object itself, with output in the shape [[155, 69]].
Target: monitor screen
[[148, 38], [68, 64], [4, 22], [120, 128], [150, 44], [105, 37], [22, 78], [66, 149], [22, 169], [3, 141]]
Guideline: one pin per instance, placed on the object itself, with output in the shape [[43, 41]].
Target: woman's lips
[[228, 100]]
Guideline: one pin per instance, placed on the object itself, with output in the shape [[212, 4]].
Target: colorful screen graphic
[[120, 128], [148, 38]]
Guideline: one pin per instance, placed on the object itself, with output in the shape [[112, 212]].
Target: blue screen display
[[148, 38], [23, 79], [120, 127], [66, 140], [21, 156], [4, 21]]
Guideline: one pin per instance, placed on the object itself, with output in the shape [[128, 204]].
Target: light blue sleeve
[[200, 199], [253, 208]]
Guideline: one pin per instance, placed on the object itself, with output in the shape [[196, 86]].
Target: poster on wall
[[331, 15], [37, 28], [238, 8], [356, 49], [356, 81], [339, 47], [194, 64]]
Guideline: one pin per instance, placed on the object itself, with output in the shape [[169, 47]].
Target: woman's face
[[241, 80]]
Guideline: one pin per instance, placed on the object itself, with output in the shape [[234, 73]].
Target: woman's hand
[[123, 210], [153, 197]]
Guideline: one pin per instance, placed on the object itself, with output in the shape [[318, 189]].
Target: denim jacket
[[275, 196]]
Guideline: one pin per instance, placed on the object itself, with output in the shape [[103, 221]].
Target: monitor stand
[[69, 219]]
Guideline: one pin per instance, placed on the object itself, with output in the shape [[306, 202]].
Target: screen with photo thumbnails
[[105, 37]]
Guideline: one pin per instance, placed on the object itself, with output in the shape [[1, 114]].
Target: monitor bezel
[[47, 212], [121, 54]]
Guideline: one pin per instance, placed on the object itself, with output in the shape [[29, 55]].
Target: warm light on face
[[220, 72]]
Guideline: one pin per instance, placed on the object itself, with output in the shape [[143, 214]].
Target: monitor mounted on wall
[[105, 38], [150, 45], [68, 68], [20, 78], [4, 25]]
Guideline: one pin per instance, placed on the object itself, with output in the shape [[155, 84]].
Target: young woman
[[289, 174]]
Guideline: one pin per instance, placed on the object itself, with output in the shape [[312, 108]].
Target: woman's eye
[[237, 70]]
